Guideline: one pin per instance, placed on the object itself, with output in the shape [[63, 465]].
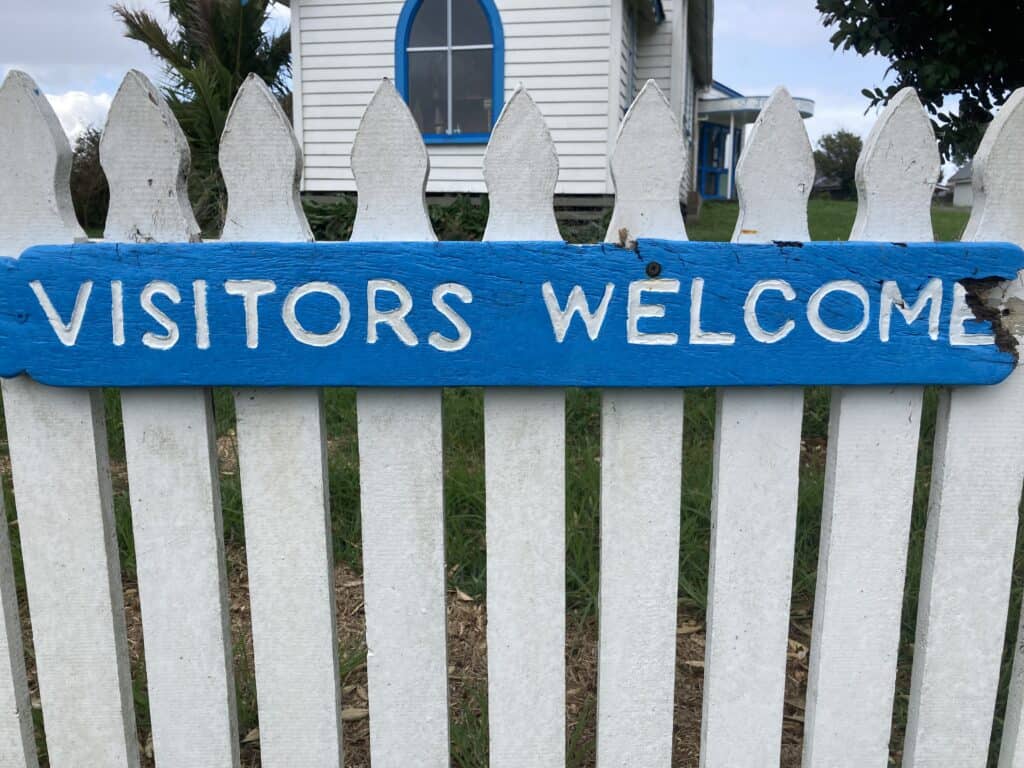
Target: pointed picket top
[[896, 174], [261, 162], [390, 165], [775, 175], [146, 158], [35, 170], [999, 177], [647, 167], [521, 170]]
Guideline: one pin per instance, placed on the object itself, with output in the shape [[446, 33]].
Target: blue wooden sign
[[664, 314]]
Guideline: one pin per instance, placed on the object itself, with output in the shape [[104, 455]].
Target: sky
[[76, 52]]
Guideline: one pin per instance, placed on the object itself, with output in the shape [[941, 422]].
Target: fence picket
[[172, 465], [524, 434], [401, 478], [282, 461], [58, 446], [641, 478], [757, 454], [17, 736], [869, 483], [972, 514]]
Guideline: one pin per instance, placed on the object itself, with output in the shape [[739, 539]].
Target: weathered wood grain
[[502, 314], [641, 479], [524, 446], [172, 465], [973, 509], [869, 483], [753, 513], [282, 457], [58, 448], [401, 479]]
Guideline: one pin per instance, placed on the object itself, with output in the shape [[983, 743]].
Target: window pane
[[469, 23], [472, 100], [428, 90], [430, 27]]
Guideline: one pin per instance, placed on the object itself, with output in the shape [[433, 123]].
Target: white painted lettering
[[891, 297], [636, 310], [392, 317], [463, 294], [561, 319], [958, 335], [697, 334], [117, 312], [296, 328], [250, 291], [160, 288], [833, 334], [754, 327], [67, 333], [202, 318]]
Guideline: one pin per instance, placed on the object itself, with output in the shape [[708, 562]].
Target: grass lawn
[[828, 220], [466, 557]]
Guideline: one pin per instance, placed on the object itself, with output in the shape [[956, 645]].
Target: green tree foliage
[[965, 48], [836, 158], [210, 50], [89, 189]]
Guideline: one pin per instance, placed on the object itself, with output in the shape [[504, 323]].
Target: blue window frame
[[450, 68]]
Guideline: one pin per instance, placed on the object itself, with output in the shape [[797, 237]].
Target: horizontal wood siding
[[654, 51], [557, 49], [627, 60], [654, 62]]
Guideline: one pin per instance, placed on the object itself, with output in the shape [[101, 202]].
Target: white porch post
[[729, 152]]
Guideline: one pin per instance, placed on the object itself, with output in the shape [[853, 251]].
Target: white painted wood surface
[[756, 473], [524, 445], [282, 456], [869, 483], [172, 465], [641, 479], [17, 736], [972, 514], [58, 448], [401, 479], [61, 478]]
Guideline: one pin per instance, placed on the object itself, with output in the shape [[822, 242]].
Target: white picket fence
[[62, 484]]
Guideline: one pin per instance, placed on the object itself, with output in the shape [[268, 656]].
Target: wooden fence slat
[[1005, 220], [283, 464], [641, 478], [172, 465], [524, 438], [401, 478], [972, 514], [757, 458], [17, 735], [58, 446], [869, 483]]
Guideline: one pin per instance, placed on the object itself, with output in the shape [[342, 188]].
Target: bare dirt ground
[[467, 673]]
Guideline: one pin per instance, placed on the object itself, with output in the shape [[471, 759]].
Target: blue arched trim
[[402, 33]]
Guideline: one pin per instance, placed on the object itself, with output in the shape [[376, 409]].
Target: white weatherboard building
[[457, 61]]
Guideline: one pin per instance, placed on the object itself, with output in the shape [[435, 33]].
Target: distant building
[[962, 183], [457, 61], [723, 114]]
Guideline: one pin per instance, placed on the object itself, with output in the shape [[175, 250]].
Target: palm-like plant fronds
[[213, 46]]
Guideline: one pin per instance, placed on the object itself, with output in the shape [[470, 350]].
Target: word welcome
[[504, 314]]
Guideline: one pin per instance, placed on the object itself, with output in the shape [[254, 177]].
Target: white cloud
[[790, 23], [79, 110]]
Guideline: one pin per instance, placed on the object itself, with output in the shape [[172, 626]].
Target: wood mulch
[[467, 674]]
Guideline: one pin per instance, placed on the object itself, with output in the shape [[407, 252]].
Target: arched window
[[449, 66]]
